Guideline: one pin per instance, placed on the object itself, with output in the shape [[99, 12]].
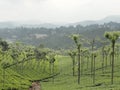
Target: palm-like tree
[[75, 37], [92, 56], [112, 36]]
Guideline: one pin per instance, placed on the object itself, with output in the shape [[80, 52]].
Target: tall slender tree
[[112, 36], [75, 37], [92, 56]]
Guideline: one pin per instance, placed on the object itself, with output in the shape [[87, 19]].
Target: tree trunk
[[110, 59], [53, 71], [94, 71], [106, 61], [78, 64], [87, 62], [112, 73], [73, 65], [82, 65], [103, 55], [92, 58], [92, 65]]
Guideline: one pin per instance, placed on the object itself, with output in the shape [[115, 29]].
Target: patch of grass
[[66, 81]]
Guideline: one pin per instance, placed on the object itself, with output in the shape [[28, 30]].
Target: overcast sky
[[57, 10]]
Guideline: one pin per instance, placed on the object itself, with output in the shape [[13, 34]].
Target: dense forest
[[55, 37]]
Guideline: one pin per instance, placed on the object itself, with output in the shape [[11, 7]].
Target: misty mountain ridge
[[38, 24], [114, 18], [56, 37]]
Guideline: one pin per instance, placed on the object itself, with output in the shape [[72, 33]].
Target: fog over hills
[[49, 36], [114, 18], [34, 24]]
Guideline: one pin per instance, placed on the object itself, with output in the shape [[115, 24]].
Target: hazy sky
[[57, 10]]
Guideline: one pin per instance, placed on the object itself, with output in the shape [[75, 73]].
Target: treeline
[[53, 38], [85, 56]]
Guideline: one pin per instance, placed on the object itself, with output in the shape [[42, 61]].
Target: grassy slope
[[65, 81]]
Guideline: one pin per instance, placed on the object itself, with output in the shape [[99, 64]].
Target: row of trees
[[93, 53]]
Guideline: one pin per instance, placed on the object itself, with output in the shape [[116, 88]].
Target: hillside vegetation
[[54, 38], [89, 60]]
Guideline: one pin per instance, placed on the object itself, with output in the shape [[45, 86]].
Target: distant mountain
[[45, 25], [85, 23], [115, 18], [38, 24], [13, 24]]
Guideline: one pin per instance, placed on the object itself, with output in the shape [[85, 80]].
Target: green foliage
[[75, 37], [20, 65], [52, 38], [72, 53], [112, 36]]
